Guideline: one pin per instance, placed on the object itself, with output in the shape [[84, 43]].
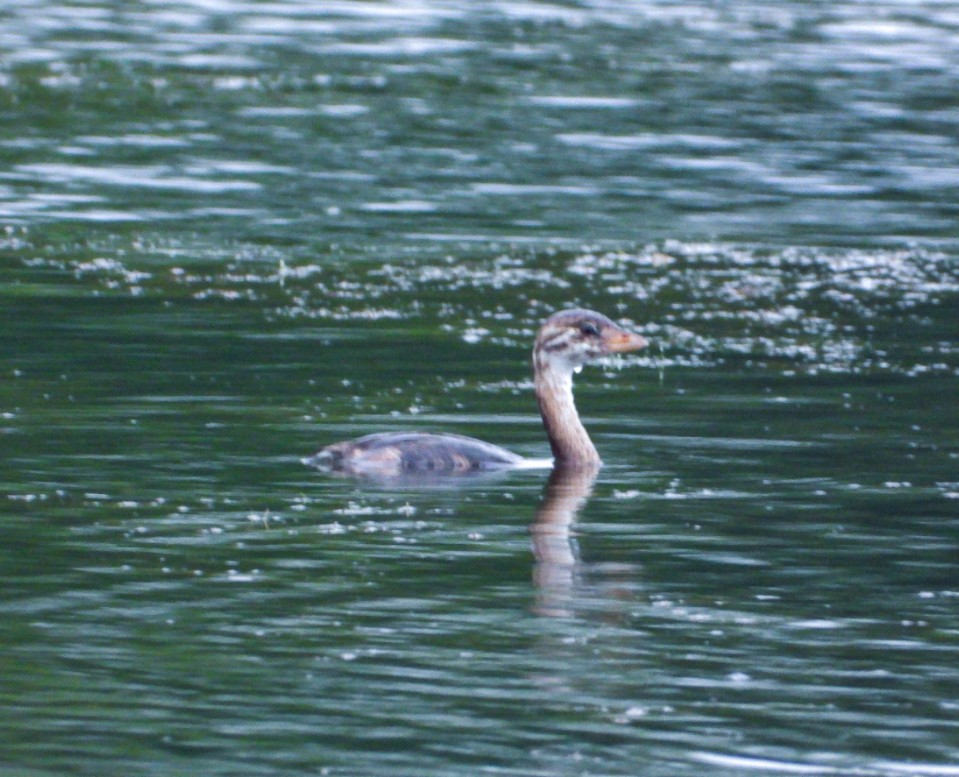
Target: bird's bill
[[621, 341]]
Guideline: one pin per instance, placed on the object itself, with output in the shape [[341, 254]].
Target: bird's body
[[566, 341], [397, 452]]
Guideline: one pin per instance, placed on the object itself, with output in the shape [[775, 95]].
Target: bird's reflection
[[554, 547]]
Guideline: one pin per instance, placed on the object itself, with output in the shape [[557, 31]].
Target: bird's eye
[[588, 328]]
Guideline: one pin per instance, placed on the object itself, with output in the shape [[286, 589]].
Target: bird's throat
[[567, 435]]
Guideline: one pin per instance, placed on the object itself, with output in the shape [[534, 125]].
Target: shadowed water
[[233, 233]]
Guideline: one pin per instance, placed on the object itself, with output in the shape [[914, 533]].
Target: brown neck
[[567, 436]]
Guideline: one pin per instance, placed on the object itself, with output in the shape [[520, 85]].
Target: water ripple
[[809, 310]]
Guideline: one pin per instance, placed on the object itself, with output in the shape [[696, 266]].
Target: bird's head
[[569, 339]]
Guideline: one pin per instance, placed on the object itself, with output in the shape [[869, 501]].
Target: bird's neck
[[567, 436]]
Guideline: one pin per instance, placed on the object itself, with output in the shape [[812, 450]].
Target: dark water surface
[[233, 232]]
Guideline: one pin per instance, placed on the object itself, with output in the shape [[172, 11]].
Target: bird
[[565, 342]]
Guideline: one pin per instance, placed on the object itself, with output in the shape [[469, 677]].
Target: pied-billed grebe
[[565, 342]]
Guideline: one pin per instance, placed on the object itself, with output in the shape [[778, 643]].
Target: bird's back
[[394, 453]]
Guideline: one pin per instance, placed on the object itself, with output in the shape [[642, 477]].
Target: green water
[[233, 233]]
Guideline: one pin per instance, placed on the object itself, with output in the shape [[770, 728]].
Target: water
[[232, 233]]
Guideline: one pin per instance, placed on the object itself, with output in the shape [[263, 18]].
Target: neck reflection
[[554, 547]]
